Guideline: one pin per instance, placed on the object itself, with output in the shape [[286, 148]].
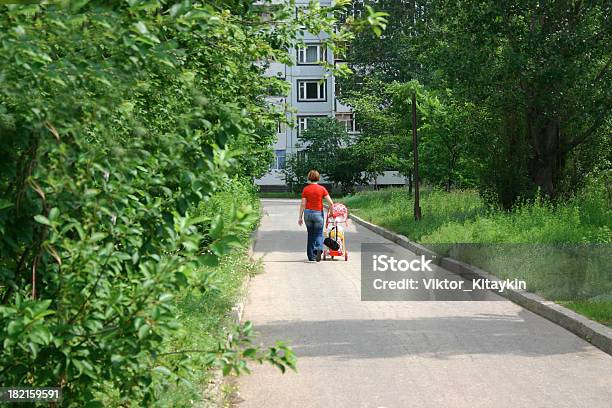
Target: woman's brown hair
[[313, 175]]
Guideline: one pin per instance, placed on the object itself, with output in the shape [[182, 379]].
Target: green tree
[[331, 150], [530, 95], [384, 114], [296, 170], [540, 73], [391, 56], [382, 137]]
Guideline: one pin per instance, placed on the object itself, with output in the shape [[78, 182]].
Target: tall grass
[[463, 217], [561, 250], [393, 208]]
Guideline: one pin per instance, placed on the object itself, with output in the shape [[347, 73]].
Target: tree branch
[[578, 140]]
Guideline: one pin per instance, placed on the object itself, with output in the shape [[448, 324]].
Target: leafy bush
[[117, 122], [203, 311]]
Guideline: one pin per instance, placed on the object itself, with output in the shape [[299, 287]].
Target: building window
[[279, 159], [337, 89], [312, 90], [311, 54], [348, 120], [280, 126], [303, 122]]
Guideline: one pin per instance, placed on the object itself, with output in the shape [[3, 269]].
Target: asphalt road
[[402, 354]]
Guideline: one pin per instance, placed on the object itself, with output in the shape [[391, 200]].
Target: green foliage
[[208, 337], [118, 123], [525, 107], [295, 171], [390, 57], [384, 110], [329, 149], [376, 20], [202, 311], [384, 138], [442, 129], [542, 73]]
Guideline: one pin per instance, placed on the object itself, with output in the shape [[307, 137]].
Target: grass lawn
[[562, 251], [598, 311]]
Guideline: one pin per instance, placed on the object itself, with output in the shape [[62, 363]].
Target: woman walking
[[311, 213]]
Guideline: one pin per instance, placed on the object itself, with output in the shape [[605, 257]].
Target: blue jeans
[[314, 224]]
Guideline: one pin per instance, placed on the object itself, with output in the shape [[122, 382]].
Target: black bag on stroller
[[331, 243]]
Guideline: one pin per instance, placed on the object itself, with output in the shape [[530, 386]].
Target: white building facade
[[312, 95]]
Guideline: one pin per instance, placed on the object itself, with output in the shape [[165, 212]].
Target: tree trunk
[[410, 183], [547, 157]]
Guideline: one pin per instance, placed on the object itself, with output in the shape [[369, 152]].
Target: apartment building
[[312, 95]]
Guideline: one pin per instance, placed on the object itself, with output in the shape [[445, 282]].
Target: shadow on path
[[437, 337]]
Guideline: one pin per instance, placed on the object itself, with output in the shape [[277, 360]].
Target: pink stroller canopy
[[339, 212]]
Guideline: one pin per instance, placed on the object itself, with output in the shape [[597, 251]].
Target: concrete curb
[[595, 333]]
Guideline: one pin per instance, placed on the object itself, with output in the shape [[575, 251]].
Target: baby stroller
[[335, 241]]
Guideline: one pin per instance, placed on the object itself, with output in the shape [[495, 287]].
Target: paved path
[[402, 354]]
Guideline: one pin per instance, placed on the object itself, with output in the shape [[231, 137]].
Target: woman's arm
[[301, 215], [329, 200]]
